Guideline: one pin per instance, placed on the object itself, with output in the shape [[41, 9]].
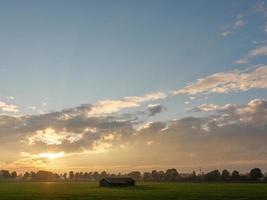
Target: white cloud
[[231, 81], [10, 97], [239, 23], [110, 106], [259, 51], [226, 33], [50, 137], [242, 61], [8, 107]]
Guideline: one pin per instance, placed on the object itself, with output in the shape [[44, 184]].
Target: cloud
[[225, 82], [230, 133], [239, 23], [231, 28], [10, 97], [226, 33], [154, 109], [242, 61], [253, 113], [211, 107], [259, 51], [110, 106], [8, 107], [260, 7]]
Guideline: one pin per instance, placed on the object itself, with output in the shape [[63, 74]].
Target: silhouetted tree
[[14, 174], [235, 175], [193, 176], [103, 174], [96, 176], [71, 175], [4, 174], [213, 175], [255, 174], [155, 175], [161, 175], [45, 176], [136, 175], [171, 175], [225, 175], [147, 176]]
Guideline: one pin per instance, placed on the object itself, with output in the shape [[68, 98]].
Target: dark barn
[[116, 182]]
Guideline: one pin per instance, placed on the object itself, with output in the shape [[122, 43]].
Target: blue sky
[[66, 53], [80, 80]]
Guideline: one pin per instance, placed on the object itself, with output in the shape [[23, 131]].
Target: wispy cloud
[[231, 81], [110, 106], [258, 51]]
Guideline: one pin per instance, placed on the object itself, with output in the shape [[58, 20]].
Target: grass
[[143, 191]]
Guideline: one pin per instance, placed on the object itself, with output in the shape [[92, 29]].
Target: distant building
[[116, 182]]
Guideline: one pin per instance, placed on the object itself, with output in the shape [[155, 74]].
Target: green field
[[164, 191]]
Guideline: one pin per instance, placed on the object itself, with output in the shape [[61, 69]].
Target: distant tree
[[193, 176], [161, 175], [65, 176], [255, 174], [235, 175], [225, 175], [71, 175], [26, 176], [45, 176], [14, 174], [171, 174], [96, 176], [136, 175], [147, 176], [213, 175], [32, 175], [103, 174], [4, 174], [155, 175]]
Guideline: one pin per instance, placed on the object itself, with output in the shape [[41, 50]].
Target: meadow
[[143, 191]]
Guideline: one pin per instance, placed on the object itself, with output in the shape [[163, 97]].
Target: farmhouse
[[116, 182]]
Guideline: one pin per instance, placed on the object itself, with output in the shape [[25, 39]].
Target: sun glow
[[50, 155]]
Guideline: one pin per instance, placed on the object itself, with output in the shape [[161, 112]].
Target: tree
[[96, 176], [26, 176], [225, 175], [213, 175], [235, 175], [5, 174], [155, 175], [171, 174], [255, 174], [136, 175], [103, 174], [46, 176], [147, 176], [193, 176], [161, 175], [71, 175], [14, 174]]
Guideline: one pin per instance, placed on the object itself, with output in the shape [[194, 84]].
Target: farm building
[[116, 182]]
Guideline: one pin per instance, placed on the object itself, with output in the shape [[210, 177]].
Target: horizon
[[137, 85]]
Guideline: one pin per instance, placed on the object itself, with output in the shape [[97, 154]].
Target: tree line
[[170, 175]]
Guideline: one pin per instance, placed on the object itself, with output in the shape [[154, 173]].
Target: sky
[[133, 85]]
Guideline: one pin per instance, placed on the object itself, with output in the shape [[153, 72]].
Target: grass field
[[143, 191]]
